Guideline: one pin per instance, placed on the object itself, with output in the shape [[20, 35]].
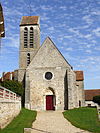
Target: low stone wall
[[90, 104], [10, 106], [8, 110]]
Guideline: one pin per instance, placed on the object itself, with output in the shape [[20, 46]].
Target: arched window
[[25, 37], [28, 59], [31, 37]]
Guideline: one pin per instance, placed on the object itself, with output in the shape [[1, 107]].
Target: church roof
[[29, 20], [51, 56], [89, 94], [79, 75]]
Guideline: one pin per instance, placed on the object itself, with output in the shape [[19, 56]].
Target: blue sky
[[73, 25]]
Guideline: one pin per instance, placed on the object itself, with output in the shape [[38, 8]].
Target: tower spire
[[30, 8]]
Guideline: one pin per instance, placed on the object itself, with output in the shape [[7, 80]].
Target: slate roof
[[89, 94], [29, 20], [79, 75]]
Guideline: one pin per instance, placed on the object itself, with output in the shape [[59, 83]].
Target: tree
[[13, 86], [96, 99]]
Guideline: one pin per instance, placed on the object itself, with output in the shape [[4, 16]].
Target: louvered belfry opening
[[31, 37], [25, 37]]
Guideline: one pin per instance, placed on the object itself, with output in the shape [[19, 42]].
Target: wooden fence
[[8, 96]]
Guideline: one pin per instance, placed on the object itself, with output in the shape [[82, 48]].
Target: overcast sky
[[73, 25]]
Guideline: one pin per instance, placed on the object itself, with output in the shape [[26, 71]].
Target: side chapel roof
[[79, 75], [89, 94]]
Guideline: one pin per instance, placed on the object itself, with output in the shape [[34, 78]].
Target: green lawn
[[23, 120], [84, 118]]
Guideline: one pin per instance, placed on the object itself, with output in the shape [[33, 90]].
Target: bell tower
[[29, 42]]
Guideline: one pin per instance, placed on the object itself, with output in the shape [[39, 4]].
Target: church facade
[[50, 82]]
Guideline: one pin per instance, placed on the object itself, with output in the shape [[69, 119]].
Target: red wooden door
[[49, 102]]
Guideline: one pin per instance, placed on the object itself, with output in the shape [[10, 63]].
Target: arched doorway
[[79, 103], [50, 99]]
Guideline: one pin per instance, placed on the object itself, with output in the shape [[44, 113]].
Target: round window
[[48, 75]]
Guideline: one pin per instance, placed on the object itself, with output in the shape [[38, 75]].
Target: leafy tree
[[96, 99], [14, 86]]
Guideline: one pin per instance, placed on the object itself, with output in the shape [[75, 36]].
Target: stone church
[[50, 82]]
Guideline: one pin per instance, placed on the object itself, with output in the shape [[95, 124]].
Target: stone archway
[[50, 99]]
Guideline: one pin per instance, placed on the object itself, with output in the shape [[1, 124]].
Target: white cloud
[[63, 7], [68, 36], [60, 38], [88, 19], [79, 34], [89, 45], [88, 51], [95, 12], [73, 30], [44, 25], [69, 49], [97, 48], [44, 17], [93, 41], [83, 27], [8, 12], [88, 36], [51, 29], [45, 8], [12, 41], [97, 31]]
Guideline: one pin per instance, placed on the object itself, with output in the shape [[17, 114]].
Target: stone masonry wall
[[80, 94], [49, 59], [8, 110], [71, 91], [24, 51], [39, 88]]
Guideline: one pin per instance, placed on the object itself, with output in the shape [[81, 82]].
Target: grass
[[84, 118], [23, 120]]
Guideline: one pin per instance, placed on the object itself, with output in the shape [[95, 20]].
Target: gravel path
[[53, 122]]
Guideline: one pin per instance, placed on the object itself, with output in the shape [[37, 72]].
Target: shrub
[[96, 99]]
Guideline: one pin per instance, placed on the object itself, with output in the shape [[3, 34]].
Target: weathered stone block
[[27, 130]]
